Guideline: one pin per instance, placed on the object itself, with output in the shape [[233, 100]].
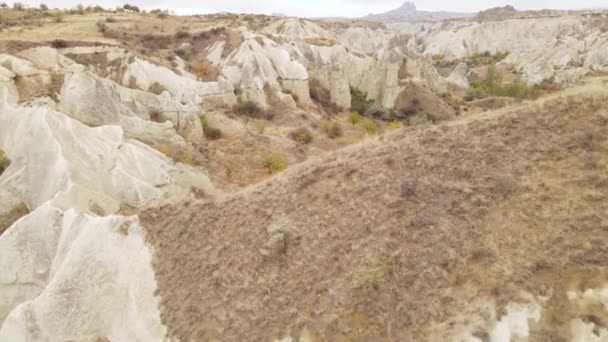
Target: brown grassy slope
[[393, 236]]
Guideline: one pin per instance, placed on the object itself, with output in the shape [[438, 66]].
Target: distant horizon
[[321, 8]]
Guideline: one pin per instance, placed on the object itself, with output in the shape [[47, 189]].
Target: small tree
[[3, 5], [80, 9], [57, 16], [354, 118], [44, 7], [18, 6]]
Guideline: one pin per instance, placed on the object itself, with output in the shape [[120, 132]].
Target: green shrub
[[247, 108], [354, 118], [493, 86], [394, 125], [334, 130], [302, 136], [370, 127], [274, 163], [359, 101]]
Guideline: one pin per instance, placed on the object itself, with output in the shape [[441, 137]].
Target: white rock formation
[[209, 94], [98, 101], [458, 77], [564, 48], [70, 276], [65, 273]]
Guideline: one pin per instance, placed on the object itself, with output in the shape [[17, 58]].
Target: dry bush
[[279, 231], [585, 139], [408, 187], [101, 26], [334, 130], [58, 44], [57, 16], [302, 136], [156, 88], [370, 274], [274, 163], [206, 71], [155, 115], [152, 42], [370, 127], [320, 41], [111, 20], [182, 35], [132, 82], [211, 133], [247, 108]]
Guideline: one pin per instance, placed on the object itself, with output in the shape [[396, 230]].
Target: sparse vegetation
[[369, 127], [164, 149], [493, 85], [247, 108], [156, 88], [274, 163], [131, 8], [205, 71], [155, 115], [279, 231], [394, 125], [354, 118], [370, 274], [58, 44], [359, 101], [132, 82], [333, 130], [211, 133], [301, 136], [320, 41]]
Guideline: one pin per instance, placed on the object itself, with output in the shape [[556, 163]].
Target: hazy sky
[[343, 8]]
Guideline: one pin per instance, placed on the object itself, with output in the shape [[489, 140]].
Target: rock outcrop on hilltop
[[408, 12]]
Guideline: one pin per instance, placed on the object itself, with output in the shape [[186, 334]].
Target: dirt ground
[[395, 238]]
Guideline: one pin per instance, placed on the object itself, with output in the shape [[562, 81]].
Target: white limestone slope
[[73, 269], [563, 48], [77, 277]]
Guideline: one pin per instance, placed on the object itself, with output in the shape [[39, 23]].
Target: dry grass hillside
[[407, 237]]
